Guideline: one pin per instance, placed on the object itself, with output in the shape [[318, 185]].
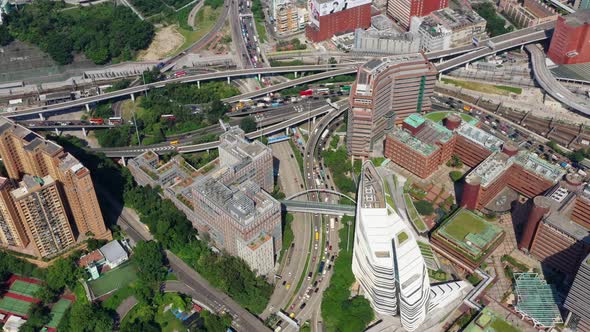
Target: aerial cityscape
[[290, 165]]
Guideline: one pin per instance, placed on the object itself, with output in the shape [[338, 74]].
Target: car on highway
[[317, 289], [288, 286], [284, 282], [309, 275], [302, 305]]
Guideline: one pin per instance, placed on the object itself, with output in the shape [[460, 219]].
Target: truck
[[332, 220], [467, 108], [169, 117], [115, 120], [324, 134], [308, 92], [180, 73], [275, 104]]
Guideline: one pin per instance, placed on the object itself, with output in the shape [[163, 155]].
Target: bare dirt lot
[[166, 40]]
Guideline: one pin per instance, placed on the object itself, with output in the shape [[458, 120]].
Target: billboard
[[326, 7]]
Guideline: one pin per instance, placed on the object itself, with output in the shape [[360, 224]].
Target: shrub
[[425, 208]]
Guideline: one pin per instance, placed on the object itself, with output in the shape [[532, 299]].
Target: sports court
[[24, 288], [58, 311], [15, 306]]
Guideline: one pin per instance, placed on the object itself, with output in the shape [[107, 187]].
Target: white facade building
[[387, 260], [389, 265]]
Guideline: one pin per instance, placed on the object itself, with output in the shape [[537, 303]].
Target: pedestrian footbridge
[[318, 207]]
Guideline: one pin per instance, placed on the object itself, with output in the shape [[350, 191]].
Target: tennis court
[[58, 311], [15, 306], [24, 288]]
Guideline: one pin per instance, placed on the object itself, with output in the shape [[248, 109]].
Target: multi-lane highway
[[185, 79]]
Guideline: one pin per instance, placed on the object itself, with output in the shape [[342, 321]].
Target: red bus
[[308, 92], [97, 121]]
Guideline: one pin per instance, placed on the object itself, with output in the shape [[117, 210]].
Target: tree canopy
[[495, 24], [149, 258], [102, 32]]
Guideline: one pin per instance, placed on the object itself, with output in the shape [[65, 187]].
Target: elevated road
[[185, 79], [499, 46], [302, 80], [134, 151], [548, 82], [318, 207]]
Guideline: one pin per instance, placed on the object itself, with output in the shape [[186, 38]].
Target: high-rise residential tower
[[386, 91], [578, 299], [27, 153], [43, 215], [12, 232]]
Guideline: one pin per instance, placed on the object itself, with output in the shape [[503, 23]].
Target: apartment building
[[43, 215], [27, 153], [527, 14], [386, 91], [286, 16], [12, 231]]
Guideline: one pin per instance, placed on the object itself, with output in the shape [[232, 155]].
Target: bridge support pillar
[[87, 107], [228, 81], [123, 161], [295, 74], [313, 120], [41, 117], [198, 84], [84, 132], [467, 65], [287, 131], [259, 77], [57, 131], [522, 47], [132, 97], [438, 77]]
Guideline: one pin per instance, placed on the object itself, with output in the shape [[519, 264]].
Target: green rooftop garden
[[439, 116], [402, 237]]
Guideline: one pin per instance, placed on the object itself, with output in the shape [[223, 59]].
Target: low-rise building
[[385, 42], [528, 13], [433, 35]]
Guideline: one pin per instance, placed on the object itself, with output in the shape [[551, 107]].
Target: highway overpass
[[186, 79], [164, 148], [318, 207], [550, 84]]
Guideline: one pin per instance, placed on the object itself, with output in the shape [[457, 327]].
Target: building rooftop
[[30, 184], [561, 204], [491, 168], [382, 23], [408, 139], [414, 120], [373, 194], [236, 150], [456, 19], [536, 300], [243, 202], [479, 136], [471, 233], [579, 18], [113, 251], [533, 163], [32, 139]]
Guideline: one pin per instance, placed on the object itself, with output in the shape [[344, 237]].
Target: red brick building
[[570, 43], [329, 18], [402, 11]]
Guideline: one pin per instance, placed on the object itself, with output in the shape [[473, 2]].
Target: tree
[[152, 75], [5, 36], [248, 124], [425, 208], [577, 156], [149, 258], [456, 175], [62, 273], [86, 317], [38, 316], [332, 61], [93, 244]]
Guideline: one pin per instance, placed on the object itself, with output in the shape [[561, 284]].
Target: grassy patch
[[261, 30], [114, 279], [204, 22], [118, 297], [414, 217], [463, 224], [402, 237], [483, 87], [288, 235], [297, 156], [439, 116], [501, 325]]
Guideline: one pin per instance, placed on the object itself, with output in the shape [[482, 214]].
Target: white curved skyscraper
[[387, 261]]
